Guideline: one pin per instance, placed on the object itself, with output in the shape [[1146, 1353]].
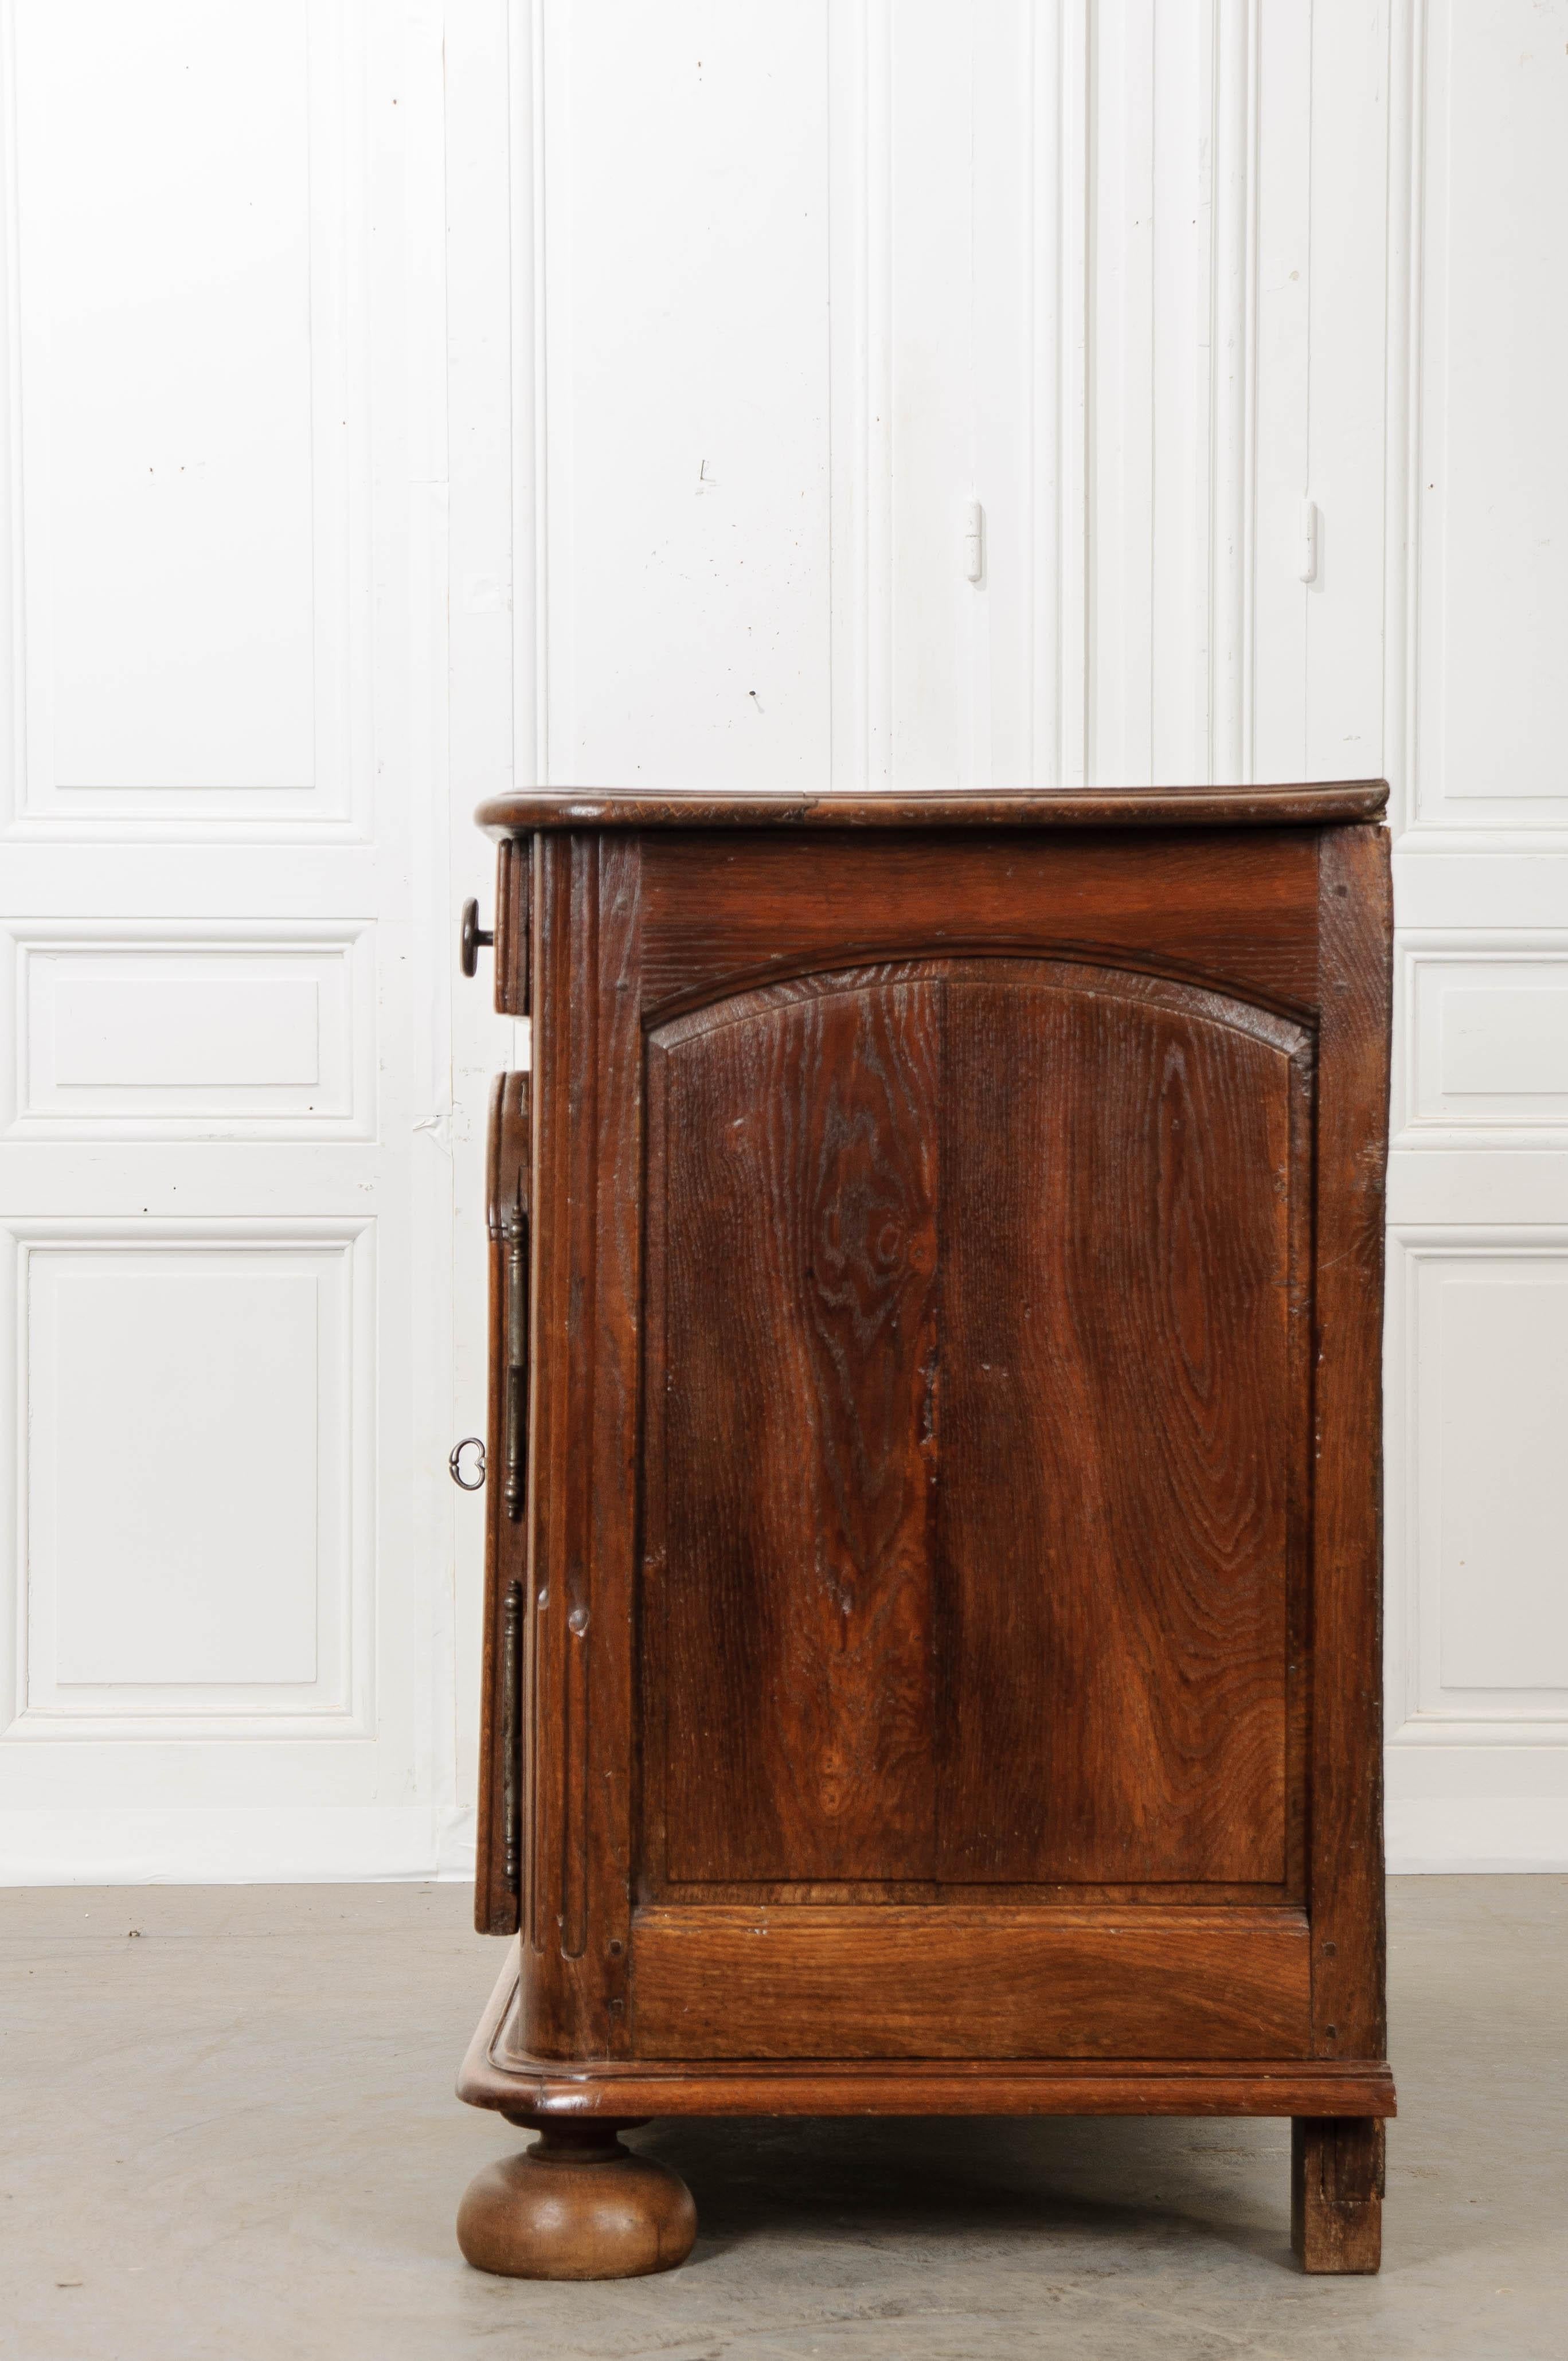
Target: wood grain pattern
[[513, 926], [1346, 1865], [1115, 1391], [500, 2072], [934, 1615], [1336, 2193], [579, 1770], [951, 1537], [1234, 910], [958, 1982], [562, 2019], [508, 1175], [1043, 808], [792, 1414], [613, 1338], [576, 2205]]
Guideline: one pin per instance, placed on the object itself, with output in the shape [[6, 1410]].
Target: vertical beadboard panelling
[[1026, 358], [984, 356], [528, 157], [1063, 161], [1187, 334], [685, 242], [857, 255], [1346, 458], [1233, 376], [1119, 376], [934, 294], [1172, 247], [860, 408], [1273, 702]]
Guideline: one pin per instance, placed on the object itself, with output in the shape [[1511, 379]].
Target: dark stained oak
[[576, 2206], [945, 1566], [508, 1184], [1114, 1377], [791, 1399], [1337, 2192], [1346, 1783], [971, 1634], [499, 2072], [618, 807], [962, 1982], [1232, 909]]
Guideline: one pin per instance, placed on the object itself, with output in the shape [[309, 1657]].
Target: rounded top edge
[[1303, 806]]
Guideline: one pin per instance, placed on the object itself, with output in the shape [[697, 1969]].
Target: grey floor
[[230, 2133]]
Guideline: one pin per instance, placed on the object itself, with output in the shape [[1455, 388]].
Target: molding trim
[[1538, 1720], [859, 67], [336, 806], [314, 948], [1170, 393], [1467, 1836], [192, 1711], [1232, 389], [1486, 950], [530, 404], [1415, 425], [331, 1844], [1061, 148]]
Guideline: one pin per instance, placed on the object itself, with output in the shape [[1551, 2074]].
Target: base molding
[[220, 1844], [498, 2074], [1466, 1834]]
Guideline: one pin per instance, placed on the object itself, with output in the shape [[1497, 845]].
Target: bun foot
[[576, 2206]]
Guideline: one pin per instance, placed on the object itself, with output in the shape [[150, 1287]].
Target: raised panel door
[[976, 1416]]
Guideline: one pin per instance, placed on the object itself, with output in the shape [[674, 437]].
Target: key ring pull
[[454, 1462]]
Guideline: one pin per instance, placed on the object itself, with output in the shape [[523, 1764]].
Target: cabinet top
[[1201, 807]]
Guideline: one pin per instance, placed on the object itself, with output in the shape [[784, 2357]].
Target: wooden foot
[[576, 2206], [1337, 2192]]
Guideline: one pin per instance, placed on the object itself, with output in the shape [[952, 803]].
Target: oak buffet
[[931, 1659]]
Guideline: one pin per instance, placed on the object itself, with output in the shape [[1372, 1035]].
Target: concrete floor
[[230, 2135]]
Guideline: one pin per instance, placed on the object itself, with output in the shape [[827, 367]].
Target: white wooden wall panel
[[884, 264], [229, 1129], [1484, 1323], [1476, 597], [574, 391], [167, 1377], [1213, 308], [188, 237], [1492, 488], [149, 1029], [1483, 1054]]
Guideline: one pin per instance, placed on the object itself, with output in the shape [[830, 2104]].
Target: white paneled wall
[[399, 402], [230, 1137], [797, 288], [1477, 521]]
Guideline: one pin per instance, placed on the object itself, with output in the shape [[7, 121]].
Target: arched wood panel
[[976, 1412]]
